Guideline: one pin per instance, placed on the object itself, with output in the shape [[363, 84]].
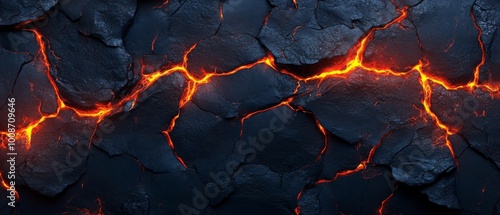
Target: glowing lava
[[354, 61], [382, 205]]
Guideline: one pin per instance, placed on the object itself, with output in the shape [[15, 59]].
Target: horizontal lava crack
[[353, 64]]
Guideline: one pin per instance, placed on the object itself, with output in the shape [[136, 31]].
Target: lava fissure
[[354, 61], [384, 202]]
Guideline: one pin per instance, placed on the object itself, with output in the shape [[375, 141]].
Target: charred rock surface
[[251, 106]]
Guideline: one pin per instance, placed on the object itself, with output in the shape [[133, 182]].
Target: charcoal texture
[[14, 12], [283, 107]]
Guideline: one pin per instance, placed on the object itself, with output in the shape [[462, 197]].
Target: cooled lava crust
[[252, 106]]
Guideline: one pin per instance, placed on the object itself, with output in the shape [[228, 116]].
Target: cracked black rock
[[282, 107]]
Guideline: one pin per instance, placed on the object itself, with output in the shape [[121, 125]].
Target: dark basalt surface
[[487, 20], [159, 105], [252, 106], [82, 71], [474, 118], [453, 63], [385, 48], [320, 29], [245, 92], [14, 12], [62, 153], [354, 108]]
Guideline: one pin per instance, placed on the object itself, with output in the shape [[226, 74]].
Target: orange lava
[[354, 61], [382, 205], [477, 71], [283, 103], [4, 184], [154, 42], [88, 212], [221, 12], [297, 209], [160, 6]]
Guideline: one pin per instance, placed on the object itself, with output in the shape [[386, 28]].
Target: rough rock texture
[[60, 159], [453, 51], [485, 13], [102, 71], [315, 30], [354, 108], [14, 11], [245, 92], [107, 20], [250, 107], [385, 48]]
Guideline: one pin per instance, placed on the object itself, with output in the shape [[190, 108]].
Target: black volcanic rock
[[347, 194], [475, 183], [489, 22], [244, 17], [174, 193], [207, 107], [284, 140], [148, 24], [221, 54], [472, 114], [417, 156], [107, 184], [176, 26], [358, 108], [107, 20], [406, 199], [481, 131], [251, 181], [13, 63], [86, 70], [363, 14], [451, 44], [19, 41], [130, 131], [33, 90], [393, 143], [384, 50], [57, 157], [204, 140], [443, 192], [13, 12], [73, 9], [424, 159], [320, 30], [406, 3], [136, 204], [246, 91], [338, 156]]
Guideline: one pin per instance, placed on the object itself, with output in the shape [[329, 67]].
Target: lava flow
[[147, 80], [6, 186], [382, 205], [353, 62]]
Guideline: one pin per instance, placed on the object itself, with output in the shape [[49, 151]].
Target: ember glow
[[342, 68]]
